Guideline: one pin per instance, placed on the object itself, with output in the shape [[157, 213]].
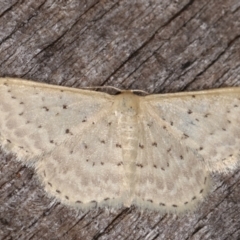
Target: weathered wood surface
[[157, 46]]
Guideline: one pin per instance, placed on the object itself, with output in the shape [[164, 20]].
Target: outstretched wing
[[35, 117], [68, 135], [183, 137], [86, 170], [207, 122], [170, 176]]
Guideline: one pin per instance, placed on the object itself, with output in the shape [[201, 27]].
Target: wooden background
[[155, 45]]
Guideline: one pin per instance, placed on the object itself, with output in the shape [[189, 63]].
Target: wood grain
[[157, 46]]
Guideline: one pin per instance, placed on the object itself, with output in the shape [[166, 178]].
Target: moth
[[92, 149]]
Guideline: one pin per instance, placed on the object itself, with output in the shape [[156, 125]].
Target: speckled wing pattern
[[93, 149], [56, 131], [208, 122], [185, 137]]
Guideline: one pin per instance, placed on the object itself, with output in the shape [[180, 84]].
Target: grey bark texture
[[158, 46]]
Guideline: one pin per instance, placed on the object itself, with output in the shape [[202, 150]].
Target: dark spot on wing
[[139, 165], [205, 180], [185, 136], [64, 106], [93, 201], [67, 131], [46, 109], [150, 124], [154, 144], [189, 111], [118, 145], [141, 146]]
